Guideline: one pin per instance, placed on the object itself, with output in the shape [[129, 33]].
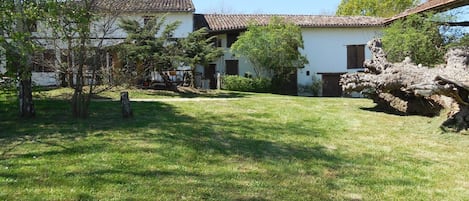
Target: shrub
[[238, 83]]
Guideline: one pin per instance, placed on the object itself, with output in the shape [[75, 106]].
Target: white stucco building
[[333, 45]]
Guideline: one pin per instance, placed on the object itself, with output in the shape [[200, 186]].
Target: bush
[[238, 83]]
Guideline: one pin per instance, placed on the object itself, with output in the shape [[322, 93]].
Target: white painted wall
[[112, 37], [326, 49], [3, 69], [45, 78], [186, 26], [244, 65]]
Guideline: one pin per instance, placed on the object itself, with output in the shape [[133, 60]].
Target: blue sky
[[316, 7], [310, 7]]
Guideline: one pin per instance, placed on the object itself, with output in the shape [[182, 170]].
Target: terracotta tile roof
[[434, 5], [148, 5], [225, 22]]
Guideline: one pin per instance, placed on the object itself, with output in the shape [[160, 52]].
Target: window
[[146, 19], [31, 25], [44, 61], [232, 67], [216, 42], [355, 56], [231, 38]]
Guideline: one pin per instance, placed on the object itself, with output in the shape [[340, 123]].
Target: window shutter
[[350, 56], [360, 56]]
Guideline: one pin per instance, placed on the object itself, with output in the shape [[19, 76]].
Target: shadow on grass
[[189, 94], [156, 123], [246, 138]]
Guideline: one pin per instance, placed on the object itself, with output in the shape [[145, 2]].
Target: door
[[232, 67], [331, 86], [209, 73]]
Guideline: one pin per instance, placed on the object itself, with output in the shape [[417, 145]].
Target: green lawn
[[249, 147]]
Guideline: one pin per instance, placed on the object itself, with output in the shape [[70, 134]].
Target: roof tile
[[225, 22], [438, 5], [148, 5]]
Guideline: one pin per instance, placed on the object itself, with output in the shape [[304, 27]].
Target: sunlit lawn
[[249, 147]]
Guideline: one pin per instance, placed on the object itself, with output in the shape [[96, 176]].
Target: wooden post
[[218, 81], [125, 102]]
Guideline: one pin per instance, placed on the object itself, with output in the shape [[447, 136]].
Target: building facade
[[333, 45]]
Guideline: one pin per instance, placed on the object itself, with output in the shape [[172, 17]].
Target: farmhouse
[[333, 45]]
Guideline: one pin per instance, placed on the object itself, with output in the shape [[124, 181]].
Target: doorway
[[209, 73], [330, 85]]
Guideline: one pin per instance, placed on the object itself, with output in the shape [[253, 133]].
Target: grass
[[253, 147]]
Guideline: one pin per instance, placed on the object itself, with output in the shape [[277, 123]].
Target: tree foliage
[[198, 49], [274, 50], [417, 37], [16, 31], [151, 47], [378, 8]]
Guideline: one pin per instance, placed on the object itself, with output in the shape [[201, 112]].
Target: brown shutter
[[360, 56], [232, 67], [350, 56]]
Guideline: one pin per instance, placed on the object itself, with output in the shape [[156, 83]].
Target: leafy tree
[[150, 47], [198, 49], [274, 50], [460, 42], [378, 8], [417, 37], [17, 26]]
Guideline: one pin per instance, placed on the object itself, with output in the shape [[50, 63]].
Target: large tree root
[[409, 89]]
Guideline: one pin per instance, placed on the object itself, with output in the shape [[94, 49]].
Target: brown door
[[232, 67], [209, 73], [331, 86]]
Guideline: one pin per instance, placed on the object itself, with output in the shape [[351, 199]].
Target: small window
[[231, 38], [355, 56], [44, 62], [232, 67], [32, 25], [146, 19]]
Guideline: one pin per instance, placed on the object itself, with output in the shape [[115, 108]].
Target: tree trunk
[[79, 101], [70, 63], [25, 96], [26, 105], [410, 89], [125, 102]]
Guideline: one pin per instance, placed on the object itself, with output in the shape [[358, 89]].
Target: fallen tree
[[409, 89]]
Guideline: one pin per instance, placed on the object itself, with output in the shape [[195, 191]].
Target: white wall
[[45, 78], [244, 65], [326, 49], [186, 26], [2, 61]]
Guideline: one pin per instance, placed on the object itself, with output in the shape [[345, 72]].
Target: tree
[[83, 27], [409, 89], [417, 37], [150, 47], [17, 26], [198, 49], [273, 50], [378, 8]]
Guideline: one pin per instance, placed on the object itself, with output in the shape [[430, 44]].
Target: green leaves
[[272, 49], [378, 8], [417, 37], [198, 49]]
